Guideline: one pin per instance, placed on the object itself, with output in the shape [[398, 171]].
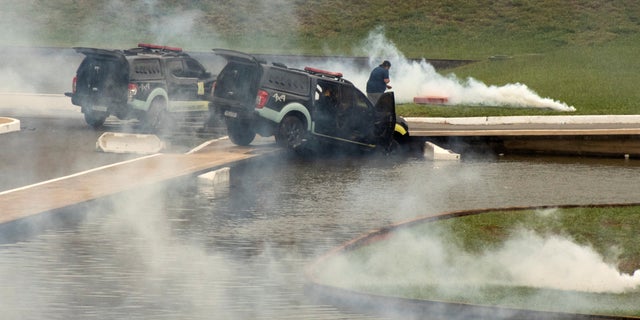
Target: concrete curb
[[118, 142], [9, 125], [586, 119]]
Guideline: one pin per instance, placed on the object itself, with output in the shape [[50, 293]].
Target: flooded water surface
[[191, 250]]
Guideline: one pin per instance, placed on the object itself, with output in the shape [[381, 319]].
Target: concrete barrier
[[117, 142], [215, 177], [9, 125], [214, 182], [435, 152]]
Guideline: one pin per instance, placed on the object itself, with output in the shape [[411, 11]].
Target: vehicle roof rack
[[321, 72], [147, 48], [159, 47]]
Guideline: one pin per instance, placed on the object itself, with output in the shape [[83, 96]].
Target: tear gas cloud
[[411, 78], [524, 259]]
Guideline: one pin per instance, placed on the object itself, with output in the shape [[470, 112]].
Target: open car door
[[385, 119]]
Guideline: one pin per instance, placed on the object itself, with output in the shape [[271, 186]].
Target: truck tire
[[291, 133], [153, 118], [94, 118], [240, 132]]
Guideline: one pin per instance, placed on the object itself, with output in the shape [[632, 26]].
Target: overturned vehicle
[[150, 83], [306, 110]]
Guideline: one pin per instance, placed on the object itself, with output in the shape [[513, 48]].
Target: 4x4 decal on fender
[[144, 87], [280, 98]]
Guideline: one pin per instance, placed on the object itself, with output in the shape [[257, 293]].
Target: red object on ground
[[430, 100]]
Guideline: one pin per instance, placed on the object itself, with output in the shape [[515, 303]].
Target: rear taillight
[[133, 90], [213, 88], [261, 99], [74, 84]]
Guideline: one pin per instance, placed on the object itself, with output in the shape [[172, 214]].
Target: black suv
[[304, 109], [149, 83]]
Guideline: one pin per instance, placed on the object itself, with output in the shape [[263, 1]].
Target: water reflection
[[193, 251]]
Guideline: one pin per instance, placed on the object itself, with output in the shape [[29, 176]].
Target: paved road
[[55, 141]]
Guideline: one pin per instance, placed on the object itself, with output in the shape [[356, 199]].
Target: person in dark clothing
[[378, 81]]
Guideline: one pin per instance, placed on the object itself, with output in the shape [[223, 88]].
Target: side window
[[144, 69], [285, 80], [326, 94], [175, 67], [193, 69], [361, 101], [345, 97]]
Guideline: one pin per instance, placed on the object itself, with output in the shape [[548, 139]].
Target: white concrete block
[[117, 142], [216, 177], [435, 152], [9, 125]]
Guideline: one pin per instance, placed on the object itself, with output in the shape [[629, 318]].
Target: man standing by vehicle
[[378, 81]]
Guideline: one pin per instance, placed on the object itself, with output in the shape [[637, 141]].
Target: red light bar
[[159, 47], [324, 72]]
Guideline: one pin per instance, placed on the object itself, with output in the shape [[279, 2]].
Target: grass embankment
[[441, 260], [596, 80], [582, 53]]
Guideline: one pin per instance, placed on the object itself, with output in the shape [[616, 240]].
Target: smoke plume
[[526, 259], [411, 79]]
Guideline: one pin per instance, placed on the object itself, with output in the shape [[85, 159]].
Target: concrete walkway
[[9, 125], [120, 177], [509, 120]]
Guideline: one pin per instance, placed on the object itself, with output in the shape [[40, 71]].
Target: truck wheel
[[240, 132], [94, 118], [291, 133], [153, 118]]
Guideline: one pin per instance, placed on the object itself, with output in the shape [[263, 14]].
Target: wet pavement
[[190, 250]]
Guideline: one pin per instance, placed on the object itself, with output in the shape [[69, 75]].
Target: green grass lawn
[[595, 80], [473, 259]]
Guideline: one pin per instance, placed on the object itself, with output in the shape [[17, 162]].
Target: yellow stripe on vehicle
[[200, 88], [400, 129]]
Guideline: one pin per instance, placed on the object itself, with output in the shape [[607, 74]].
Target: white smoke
[[559, 263], [411, 79], [526, 259]]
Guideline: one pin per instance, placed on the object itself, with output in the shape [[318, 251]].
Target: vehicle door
[[325, 108], [186, 84], [384, 118], [355, 115], [182, 79]]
